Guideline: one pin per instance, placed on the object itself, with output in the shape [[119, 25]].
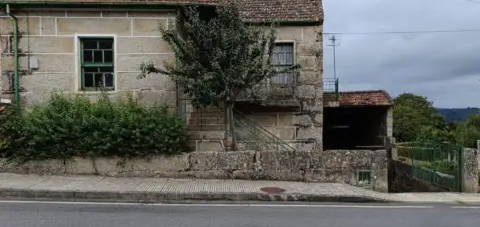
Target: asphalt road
[[56, 214]]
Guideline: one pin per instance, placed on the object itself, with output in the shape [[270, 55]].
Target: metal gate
[[440, 164]]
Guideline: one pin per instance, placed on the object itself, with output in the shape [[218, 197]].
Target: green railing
[[441, 164], [254, 137], [331, 85]]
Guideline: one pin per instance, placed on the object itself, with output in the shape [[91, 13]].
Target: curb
[[158, 197]]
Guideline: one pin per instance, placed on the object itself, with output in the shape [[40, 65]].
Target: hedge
[[75, 126]]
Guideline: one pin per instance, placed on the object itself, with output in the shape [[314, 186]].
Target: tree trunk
[[230, 127]]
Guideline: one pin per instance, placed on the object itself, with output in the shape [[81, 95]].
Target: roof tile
[[253, 10]]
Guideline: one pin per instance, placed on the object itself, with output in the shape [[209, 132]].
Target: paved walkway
[[15, 186]]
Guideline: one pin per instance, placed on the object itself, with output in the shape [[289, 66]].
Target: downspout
[[16, 77]]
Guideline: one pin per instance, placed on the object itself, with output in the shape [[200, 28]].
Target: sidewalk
[[150, 190]]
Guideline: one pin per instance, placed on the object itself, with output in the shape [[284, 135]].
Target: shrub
[[9, 127], [75, 126]]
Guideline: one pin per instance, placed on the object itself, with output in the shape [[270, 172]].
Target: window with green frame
[[97, 59]]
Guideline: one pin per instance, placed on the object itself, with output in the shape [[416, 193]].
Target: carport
[[357, 120]]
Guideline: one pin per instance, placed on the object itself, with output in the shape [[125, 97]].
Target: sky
[[443, 66]]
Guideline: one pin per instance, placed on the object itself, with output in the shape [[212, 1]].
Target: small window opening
[[283, 59]]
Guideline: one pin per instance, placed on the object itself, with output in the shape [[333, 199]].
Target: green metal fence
[[441, 164]]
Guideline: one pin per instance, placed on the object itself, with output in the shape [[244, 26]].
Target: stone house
[[79, 47]]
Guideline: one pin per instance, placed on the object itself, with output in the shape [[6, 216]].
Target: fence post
[[470, 171]]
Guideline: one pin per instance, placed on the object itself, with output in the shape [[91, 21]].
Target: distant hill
[[457, 114]]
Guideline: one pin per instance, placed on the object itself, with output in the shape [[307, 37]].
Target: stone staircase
[[206, 129]]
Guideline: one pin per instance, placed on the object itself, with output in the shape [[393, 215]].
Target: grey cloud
[[442, 66]]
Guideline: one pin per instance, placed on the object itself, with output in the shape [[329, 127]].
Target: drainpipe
[[16, 81]]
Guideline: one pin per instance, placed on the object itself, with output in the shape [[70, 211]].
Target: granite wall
[[328, 166]]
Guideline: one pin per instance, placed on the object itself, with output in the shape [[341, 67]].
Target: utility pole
[[333, 43]]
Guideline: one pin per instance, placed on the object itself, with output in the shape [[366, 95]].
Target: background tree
[[218, 56], [468, 132], [415, 118]]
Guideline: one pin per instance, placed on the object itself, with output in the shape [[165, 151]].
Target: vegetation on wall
[[218, 57], [75, 126]]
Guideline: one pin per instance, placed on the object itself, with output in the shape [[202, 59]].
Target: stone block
[[309, 133], [148, 26], [274, 161], [6, 63], [289, 33], [309, 77], [208, 161], [131, 63], [309, 63], [470, 171], [48, 26], [68, 26], [64, 63], [142, 45], [45, 83], [282, 175], [285, 118], [310, 49], [344, 159], [303, 146], [112, 167], [157, 98], [209, 145], [47, 44], [267, 120], [303, 120], [43, 167], [80, 166], [287, 133], [130, 81], [305, 92], [312, 34], [312, 106], [157, 166], [26, 25], [330, 176]]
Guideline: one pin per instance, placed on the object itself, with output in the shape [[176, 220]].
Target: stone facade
[[49, 62], [326, 166], [49, 52]]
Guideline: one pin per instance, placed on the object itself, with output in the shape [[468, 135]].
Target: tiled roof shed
[[365, 98], [257, 11], [360, 98]]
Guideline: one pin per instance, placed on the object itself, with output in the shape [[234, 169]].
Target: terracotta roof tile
[[253, 10], [365, 98]]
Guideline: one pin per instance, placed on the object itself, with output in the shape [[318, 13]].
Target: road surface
[[56, 214]]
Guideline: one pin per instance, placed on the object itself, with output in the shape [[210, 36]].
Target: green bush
[[67, 127], [9, 127]]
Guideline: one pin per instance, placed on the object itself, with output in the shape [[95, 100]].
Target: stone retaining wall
[[327, 166]]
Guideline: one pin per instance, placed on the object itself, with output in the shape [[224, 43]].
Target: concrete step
[[206, 135], [207, 145]]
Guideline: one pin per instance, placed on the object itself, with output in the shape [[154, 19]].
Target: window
[[97, 64], [282, 59], [364, 178]]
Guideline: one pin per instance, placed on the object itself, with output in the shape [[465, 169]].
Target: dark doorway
[[354, 127]]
